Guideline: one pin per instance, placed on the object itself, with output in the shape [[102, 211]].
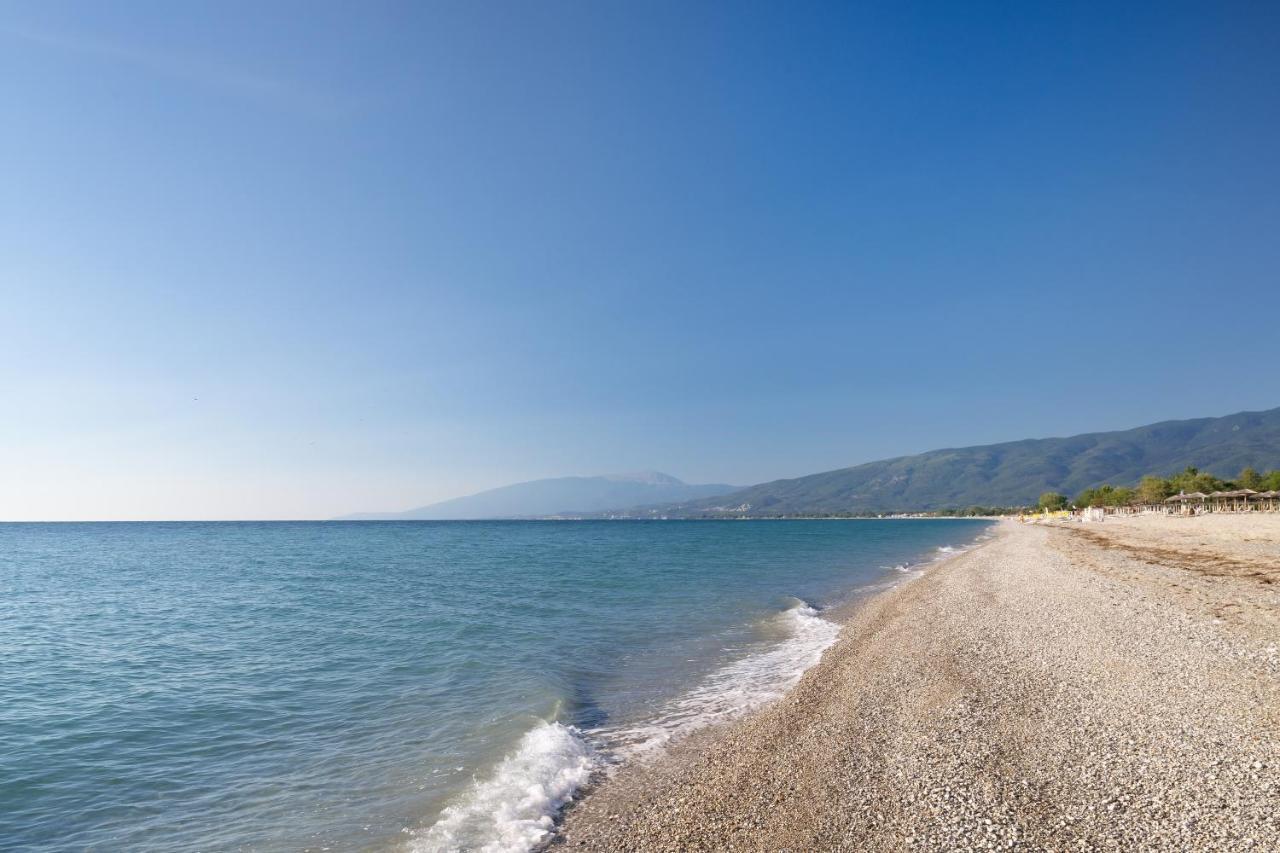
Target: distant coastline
[[1105, 468]]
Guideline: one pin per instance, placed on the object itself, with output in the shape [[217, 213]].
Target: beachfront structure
[[1233, 501], [1195, 503], [1185, 504], [1266, 501], [1236, 500]]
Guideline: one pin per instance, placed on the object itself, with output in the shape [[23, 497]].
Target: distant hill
[[1014, 473], [560, 496]]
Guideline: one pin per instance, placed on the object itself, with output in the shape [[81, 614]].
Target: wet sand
[[1110, 686]]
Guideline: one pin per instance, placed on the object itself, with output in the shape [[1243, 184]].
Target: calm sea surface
[[389, 685]]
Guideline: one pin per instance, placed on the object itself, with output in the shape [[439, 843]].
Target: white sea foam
[[736, 688], [514, 810]]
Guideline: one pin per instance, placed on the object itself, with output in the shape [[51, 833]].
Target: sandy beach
[[1110, 686]]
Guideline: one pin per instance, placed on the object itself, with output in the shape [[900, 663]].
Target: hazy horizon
[[302, 260]]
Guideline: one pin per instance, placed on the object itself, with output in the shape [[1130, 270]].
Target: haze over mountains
[[1013, 473], [559, 496]]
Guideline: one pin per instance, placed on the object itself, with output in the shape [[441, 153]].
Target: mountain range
[[1013, 473], [560, 496]]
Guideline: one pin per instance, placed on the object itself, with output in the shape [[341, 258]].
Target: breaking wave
[[515, 809]]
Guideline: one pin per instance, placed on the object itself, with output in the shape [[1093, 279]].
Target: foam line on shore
[[514, 810], [737, 688]]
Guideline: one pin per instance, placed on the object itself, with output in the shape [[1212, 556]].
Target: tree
[[1107, 495], [1271, 481], [1092, 497], [1052, 501], [1122, 496], [1250, 479], [1193, 480], [1154, 489], [1095, 497]]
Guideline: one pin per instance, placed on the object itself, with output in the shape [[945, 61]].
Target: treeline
[[971, 511], [1152, 489], [965, 512]]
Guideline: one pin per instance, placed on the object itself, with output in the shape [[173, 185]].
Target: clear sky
[[269, 260]]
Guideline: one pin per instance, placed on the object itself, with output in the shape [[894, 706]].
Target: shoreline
[[1043, 690], [561, 764], [684, 743]]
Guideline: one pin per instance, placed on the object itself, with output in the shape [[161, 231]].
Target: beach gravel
[[1069, 687]]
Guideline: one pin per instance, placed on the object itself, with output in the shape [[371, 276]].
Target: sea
[[392, 686]]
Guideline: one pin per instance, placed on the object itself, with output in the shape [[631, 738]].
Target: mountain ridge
[[1012, 473]]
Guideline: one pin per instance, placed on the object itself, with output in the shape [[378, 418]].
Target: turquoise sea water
[[388, 685]]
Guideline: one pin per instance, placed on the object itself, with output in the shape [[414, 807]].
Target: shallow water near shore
[[417, 685]]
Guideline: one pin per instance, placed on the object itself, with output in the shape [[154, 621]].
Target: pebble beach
[[1068, 686]]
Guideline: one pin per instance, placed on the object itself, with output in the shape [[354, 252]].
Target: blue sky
[[295, 260]]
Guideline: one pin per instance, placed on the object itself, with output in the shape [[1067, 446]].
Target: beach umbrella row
[[1235, 500], [1270, 500]]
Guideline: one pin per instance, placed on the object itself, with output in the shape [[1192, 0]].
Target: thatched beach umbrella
[[1236, 500], [1185, 500], [1267, 501]]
